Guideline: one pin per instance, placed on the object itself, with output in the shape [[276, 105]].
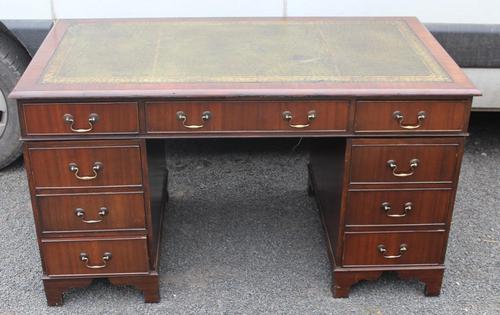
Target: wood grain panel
[[123, 211], [444, 116], [326, 183], [48, 118], [422, 248], [62, 257]]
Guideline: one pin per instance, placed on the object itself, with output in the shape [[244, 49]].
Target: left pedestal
[[98, 213]]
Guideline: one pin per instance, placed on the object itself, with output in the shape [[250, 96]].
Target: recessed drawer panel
[[411, 116], [95, 256], [86, 165], [394, 248], [91, 212], [405, 206], [80, 118], [407, 160], [231, 116]]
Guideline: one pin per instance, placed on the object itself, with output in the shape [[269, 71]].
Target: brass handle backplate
[[73, 167], [394, 167], [105, 258], [288, 116], [70, 120], [382, 250], [399, 117], [79, 212], [386, 206], [182, 116]]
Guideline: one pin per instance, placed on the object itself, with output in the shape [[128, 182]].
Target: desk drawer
[[405, 206], [90, 212], [411, 116], [407, 160], [199, 117], [85, 164], [95, 256], [80, 118], [394, 248]]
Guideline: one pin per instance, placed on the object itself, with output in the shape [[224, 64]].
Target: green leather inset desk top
[[244, 51]]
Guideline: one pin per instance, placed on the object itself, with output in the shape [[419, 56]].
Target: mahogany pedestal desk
[[389, 107]]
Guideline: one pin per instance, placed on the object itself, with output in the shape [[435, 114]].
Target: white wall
[[167, 8], [446, 11], [451, 11], [25, 9]]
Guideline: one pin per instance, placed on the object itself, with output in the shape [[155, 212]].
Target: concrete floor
[[242, 237]]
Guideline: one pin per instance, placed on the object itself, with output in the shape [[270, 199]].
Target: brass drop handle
[[402, 249], [387, 207], [398, 116], [287, 116], [394, 167], [182, 116], [79, 212], [73, 167], [105, 258], [70, 120]]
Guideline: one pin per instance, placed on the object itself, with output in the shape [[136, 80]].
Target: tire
[[13, 61]]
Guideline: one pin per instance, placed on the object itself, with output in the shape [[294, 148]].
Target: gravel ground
[[242, 237]]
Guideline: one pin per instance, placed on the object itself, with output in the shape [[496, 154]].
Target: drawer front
[[411, 116], [86, 166], [386, 207], [193, 117], [394, 248], [97, 256], [80, 118], [90, 212], [405, 161]]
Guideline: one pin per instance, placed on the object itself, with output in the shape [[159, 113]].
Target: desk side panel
[[327, 178]]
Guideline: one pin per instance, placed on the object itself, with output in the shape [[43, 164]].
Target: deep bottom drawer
[[95, 256], [394, 248]]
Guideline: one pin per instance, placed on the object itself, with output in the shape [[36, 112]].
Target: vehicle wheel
[[13, 61]]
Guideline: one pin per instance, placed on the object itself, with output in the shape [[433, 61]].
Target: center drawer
[[90, 212], [227, 116], [86, 164], [96, 256]]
